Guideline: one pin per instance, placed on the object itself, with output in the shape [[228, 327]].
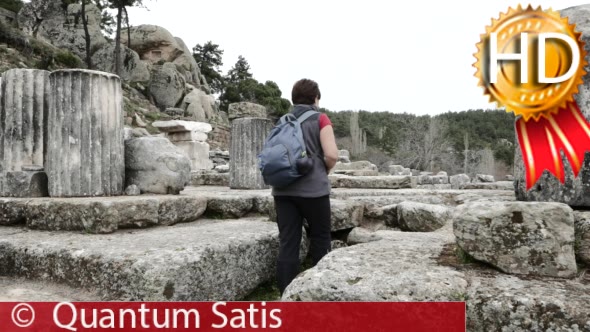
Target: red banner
[[230, 316]]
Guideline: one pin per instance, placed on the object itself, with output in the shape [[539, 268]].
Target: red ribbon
[[542, 140]]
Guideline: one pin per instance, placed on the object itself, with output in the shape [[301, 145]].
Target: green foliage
[[210, 58], [68, 60], [12, 5], [239, 86]]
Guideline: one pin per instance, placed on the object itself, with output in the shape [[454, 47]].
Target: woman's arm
[[328, 142]]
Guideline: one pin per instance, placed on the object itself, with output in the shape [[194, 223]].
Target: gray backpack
[[284, 152]]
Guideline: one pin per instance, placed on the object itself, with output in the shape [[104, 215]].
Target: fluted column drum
[[24, 101], [85, 150], [247, 139]]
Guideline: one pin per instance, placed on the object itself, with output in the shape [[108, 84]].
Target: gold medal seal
[[528, 96]]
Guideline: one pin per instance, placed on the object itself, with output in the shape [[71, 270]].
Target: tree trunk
[[86, 35], [118, 42], [466, 161], [128, 28]]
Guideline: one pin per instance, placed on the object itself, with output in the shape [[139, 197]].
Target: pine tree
[[209, 57]]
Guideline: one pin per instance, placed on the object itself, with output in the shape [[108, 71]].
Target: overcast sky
[[375, 55]]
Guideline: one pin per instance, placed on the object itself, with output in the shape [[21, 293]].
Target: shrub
[[68, 60]]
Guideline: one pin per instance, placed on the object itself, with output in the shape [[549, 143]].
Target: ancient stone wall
[[219, 138]]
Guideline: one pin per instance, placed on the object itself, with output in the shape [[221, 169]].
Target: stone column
[[247, 139], [24, 102], [85, 150]]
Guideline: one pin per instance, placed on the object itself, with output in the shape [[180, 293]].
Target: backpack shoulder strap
[[306, 116], [285, 118]]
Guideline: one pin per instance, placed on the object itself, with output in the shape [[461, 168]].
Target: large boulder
[[420, 217], [199, 105], [46, 20], [156, 166], [153, 43], [132, 68], [518, 237], [167, 86], [187, 64]]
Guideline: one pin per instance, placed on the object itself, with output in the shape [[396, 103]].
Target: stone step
[[101, 214], [416, 267], [204, 261], [373, 182], [23, 290]]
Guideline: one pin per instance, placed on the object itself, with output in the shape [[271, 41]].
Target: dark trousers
[[290, 213]]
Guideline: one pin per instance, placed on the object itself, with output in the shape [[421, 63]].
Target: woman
[[309, 196]]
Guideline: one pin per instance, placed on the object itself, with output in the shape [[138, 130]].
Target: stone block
[[187, 136], [176, 126], [246, 110], [26, 184]]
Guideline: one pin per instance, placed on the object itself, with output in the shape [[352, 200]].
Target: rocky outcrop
[[153, 43], [420, 217], [85, 154], [156, 166], [132, 68], [156, 45], [518, 237], [47, 21], [167, 86], [211, 261]]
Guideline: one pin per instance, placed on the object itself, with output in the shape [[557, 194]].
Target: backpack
[[284, 152]]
